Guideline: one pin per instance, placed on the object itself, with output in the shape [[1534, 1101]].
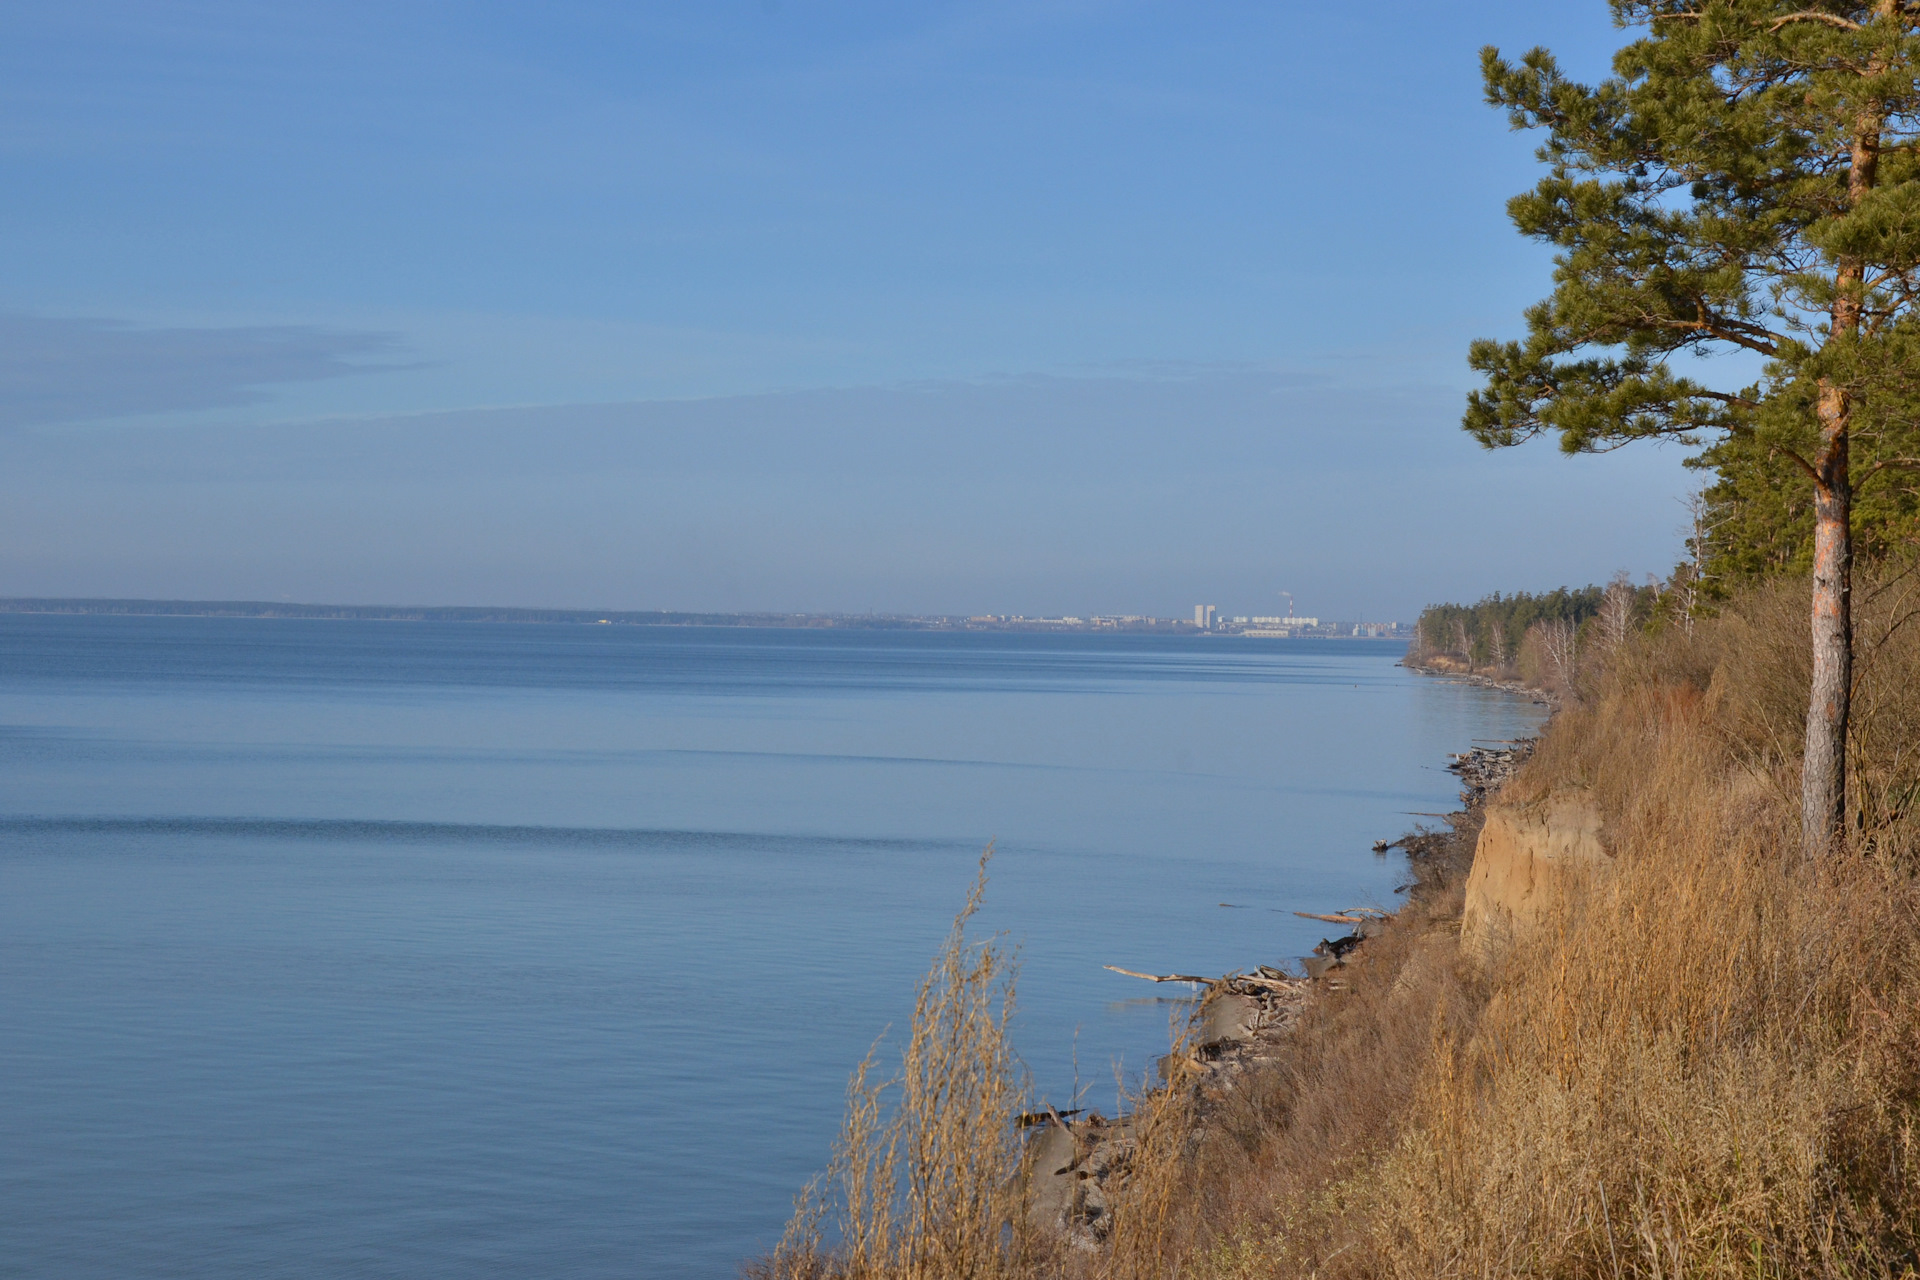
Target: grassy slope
[[1709, 1065]]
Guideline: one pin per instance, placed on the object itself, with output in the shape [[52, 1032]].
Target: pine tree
[[1746, 180]]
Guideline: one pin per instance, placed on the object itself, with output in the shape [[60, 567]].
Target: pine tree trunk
[[1823, 777], [1823, 769]]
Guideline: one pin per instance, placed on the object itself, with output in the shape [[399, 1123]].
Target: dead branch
[[1162, 977]]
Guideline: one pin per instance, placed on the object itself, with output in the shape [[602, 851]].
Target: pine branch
[[1794, 457], [1889, 464], [1811, 15], [1728, 397]]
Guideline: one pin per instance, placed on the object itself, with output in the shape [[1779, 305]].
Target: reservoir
[[349, 949]]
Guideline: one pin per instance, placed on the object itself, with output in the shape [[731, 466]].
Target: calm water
[[435, 950]]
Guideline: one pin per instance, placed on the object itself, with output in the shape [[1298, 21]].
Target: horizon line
[[288, 609]]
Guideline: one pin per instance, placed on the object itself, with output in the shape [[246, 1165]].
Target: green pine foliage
[[1759, 511], [1747, 181]]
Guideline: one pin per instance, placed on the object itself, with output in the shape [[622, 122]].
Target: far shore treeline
[[1491, 633]]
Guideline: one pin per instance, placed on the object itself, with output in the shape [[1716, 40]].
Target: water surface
[[434, 949]]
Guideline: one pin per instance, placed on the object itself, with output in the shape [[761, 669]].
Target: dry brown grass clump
[[923, 1180]]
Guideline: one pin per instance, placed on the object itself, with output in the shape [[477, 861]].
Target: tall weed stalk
[[924, 1180]]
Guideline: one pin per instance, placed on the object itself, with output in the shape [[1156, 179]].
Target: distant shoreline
[[267, 609]]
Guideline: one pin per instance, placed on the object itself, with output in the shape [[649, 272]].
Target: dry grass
[[1707, 1065], [923, 1182]]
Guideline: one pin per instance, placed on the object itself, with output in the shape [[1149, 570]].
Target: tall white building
[[1203, 616]]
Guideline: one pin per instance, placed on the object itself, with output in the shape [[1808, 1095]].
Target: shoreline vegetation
[[267, 609], [1621, 1027]]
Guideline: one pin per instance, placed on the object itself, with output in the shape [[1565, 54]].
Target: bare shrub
[[1550, 655], [924, 1180], [1615, 621], [1690, 579], [1151, 1229]]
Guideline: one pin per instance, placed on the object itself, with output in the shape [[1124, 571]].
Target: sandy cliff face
[[1526, 864]]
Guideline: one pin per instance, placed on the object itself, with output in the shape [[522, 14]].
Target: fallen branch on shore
[[1029, 1119], [1266, 978], [1163, 977], [1269, 984]]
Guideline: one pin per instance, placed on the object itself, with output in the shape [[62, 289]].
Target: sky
[[1056, 306]]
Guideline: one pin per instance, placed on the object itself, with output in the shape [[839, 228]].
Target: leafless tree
[[1616, 611], [1466, 645], [1497, 645], [1559, 645], [1688, 581]]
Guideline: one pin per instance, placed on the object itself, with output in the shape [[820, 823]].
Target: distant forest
[[1494, 633]]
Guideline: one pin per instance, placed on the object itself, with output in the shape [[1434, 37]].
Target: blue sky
[[1028, 307]]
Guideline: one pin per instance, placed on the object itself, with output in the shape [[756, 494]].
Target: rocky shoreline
[[1078, 1162], [1440, 664]]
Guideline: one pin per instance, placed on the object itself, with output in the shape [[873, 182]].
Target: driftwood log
[[1163, 977]]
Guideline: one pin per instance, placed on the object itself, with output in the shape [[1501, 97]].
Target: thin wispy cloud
[[56, 369], [1021, 494]]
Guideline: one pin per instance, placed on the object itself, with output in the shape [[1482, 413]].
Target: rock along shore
[[1445, 664], [1080, 1161]]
